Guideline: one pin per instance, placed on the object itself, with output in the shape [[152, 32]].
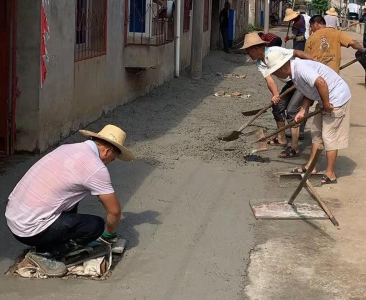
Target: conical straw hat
[[331, 12], [114, 135], [290, 14], [252, 39], [275, 60]]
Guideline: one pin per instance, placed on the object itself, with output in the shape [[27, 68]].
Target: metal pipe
[[266, 16], [177, 15]]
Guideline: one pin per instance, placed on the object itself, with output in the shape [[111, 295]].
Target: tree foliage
[[319, 6]]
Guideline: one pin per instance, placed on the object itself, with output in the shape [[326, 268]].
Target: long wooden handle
[[349, 63], [264, 109], [291, 124], [304, 179], [312, 191]]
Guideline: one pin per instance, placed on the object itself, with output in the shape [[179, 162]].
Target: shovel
[[236, 133], [291, 124], [253, 112]]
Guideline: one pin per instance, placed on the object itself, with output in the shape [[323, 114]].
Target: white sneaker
[[49, 266]]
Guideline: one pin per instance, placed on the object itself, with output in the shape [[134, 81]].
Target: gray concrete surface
[[186, 215]]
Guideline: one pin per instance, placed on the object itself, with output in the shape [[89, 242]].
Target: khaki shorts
[[332, 128]]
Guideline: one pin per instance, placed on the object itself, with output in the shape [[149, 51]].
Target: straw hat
[[114, 135], [331, 12], [252, 39], [290, 15], [275, 60]]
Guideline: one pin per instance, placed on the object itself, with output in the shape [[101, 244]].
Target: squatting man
[[43, 207]]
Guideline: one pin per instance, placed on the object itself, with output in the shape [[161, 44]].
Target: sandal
[[327, 180], [289, 153], [275, 142]]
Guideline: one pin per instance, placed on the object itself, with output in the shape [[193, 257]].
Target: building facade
[[71, 61]]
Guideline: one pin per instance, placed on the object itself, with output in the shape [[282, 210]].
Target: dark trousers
[[288, 106], [69, 227], [275, 42], [225, 38]]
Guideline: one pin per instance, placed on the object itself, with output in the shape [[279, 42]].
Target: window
[[150, 22], [90, 28], [187, 15], [206, 17]]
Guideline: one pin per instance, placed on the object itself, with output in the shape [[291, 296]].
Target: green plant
[[251, 28], [319, 6]]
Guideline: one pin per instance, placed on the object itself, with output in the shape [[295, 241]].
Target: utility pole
[[196, 46], [258, 13], [246, 16], [266, 16]]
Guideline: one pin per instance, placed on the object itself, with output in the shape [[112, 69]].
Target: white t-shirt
[[307, 25], [331, 21], [305, 72], [262, 67], [54, 184], [353, 8]]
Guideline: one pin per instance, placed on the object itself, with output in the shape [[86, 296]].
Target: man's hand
[[329, 107], [287, 38], [300, 115], [275, 99]]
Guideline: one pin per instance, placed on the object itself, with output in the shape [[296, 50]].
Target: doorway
[[7, 74], [215, 25]]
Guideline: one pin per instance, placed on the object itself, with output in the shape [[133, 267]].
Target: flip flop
[[327, 180], [275, 142], [289, 153]]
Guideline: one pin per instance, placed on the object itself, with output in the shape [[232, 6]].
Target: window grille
[[90, 28], [149, 22], [187, 15]]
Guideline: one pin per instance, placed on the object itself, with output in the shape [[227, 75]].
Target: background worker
[[283, 108], [298, 29], [325, 43], [331, 19], [42, 208], [320, 83], [224, 26], [307, 24]]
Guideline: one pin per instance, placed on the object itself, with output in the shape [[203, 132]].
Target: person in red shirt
[[272, 39]]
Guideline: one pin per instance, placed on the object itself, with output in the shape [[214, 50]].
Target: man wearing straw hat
[[42, 208], [317, 82], [283, 108], [298, 29], [331, 19], [325, 43]]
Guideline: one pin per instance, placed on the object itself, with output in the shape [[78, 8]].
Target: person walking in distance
[[224, 26]]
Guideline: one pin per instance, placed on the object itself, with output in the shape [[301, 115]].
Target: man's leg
[[331, 160], [225, 38], [69, 229], [279, 113], [335, 135], [293, 108]]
